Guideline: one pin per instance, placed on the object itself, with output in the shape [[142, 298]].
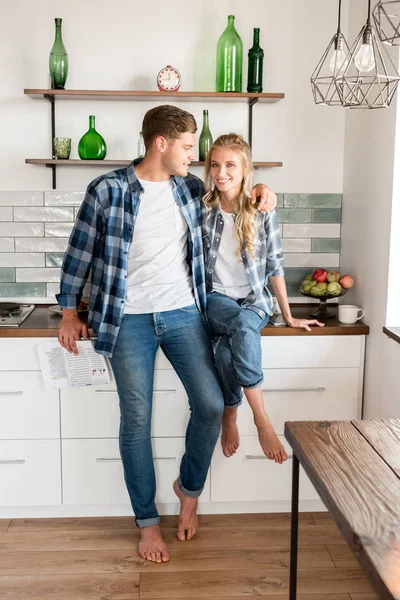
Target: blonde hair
[[246, 212]]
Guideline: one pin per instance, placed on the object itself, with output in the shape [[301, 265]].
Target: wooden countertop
[[44, 323]]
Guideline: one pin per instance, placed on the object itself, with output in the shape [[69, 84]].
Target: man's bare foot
[[230, 432], [151, 546], [270, 443], [188, 521]]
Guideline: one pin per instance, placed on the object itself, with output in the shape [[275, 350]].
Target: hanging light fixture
[[370, 78], [333, 61], [387, 21]]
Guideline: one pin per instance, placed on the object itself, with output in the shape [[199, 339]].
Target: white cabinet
[[30, 473], [93, 473]]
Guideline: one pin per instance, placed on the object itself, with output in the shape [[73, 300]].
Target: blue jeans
[[183, 337], [238, 349]]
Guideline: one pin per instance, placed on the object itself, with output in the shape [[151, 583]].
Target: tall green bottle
[[229, 59], [92, 145], [205, 139], [256, 59], [58, 61]]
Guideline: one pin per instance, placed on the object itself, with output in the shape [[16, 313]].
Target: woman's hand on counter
[[303, 323], [71, 329]]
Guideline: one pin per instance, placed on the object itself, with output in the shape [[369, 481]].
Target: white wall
[[368, 194], [123, 45]]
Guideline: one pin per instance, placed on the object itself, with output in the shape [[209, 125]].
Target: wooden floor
[[232, 557]]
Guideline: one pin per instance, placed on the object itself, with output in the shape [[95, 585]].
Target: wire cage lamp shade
[[386, 17], [333, 60], [369, 79]]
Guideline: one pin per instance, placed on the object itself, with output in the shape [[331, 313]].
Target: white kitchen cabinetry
[[59, 453]]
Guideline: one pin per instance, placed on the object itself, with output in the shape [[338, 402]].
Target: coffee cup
[[348, 314]]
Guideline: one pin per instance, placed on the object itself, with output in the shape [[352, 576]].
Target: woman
[[243, 253]]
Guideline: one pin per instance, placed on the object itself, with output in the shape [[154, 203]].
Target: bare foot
[[230, 432], [270, 443], [188, 521], [151, 546]]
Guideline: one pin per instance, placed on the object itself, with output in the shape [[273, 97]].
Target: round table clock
[[169, 79]]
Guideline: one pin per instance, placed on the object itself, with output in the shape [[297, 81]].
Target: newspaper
[[61, 368]]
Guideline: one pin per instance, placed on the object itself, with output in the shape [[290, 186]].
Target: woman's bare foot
[[270, 443], [151, 546], [188, 521], [230, 432]]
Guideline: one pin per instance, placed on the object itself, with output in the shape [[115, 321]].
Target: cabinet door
[[249, 476], [28, 411], [30, 473], [93, 412], [19, 354], [93, 473], [305, 395]]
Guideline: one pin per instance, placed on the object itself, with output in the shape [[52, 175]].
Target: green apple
[[313, 282], [309, 278], [317, 292], [306, 288], [334, 288], [321, 285], [333, 276]]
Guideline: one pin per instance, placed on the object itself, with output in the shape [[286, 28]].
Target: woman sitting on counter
[[242, 254]]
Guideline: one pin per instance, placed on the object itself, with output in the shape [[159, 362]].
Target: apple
[[321, 285], [306, 288], [334, 288], [346, 281], [333, 276], [309, 277], [317, 292], [320, 275], [313, 282]]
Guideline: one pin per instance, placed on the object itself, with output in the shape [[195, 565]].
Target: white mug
[[348, 313]]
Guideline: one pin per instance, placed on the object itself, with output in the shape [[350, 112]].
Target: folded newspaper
[[61, 368]]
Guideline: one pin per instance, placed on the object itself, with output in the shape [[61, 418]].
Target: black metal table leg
[[294, 531]]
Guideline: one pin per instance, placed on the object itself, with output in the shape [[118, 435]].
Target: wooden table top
[[355, 468]]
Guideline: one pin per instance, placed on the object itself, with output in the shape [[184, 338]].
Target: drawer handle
[[100, 459], [11, 393], [12, 461], [164, 391], [262, 457], [317, 389], [115, 391]]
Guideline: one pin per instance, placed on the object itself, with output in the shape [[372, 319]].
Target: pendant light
[[332, 63], [387, 21], [370, 78]]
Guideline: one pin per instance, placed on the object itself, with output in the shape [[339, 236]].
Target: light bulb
[[338, 61], [365, 58]]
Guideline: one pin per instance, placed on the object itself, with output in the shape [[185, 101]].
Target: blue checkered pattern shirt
[[100, 242], [268, 260]]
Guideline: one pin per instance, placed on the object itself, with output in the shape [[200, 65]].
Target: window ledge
[[393, 332]]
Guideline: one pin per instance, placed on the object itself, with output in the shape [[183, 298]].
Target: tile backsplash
[[35, 226]]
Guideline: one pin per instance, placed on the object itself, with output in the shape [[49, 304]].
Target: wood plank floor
[[232, 557]]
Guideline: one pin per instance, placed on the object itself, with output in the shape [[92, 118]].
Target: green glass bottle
[[58, 61], [92, 145], [229, 59], [256, 59], [205, 139]]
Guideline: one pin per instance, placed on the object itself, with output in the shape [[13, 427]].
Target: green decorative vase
[[92, 145], [229, 59], [205, 139], [256, 59], [58, 61]]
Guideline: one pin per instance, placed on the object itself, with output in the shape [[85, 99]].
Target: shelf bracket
[[51, 99], [252, 102]]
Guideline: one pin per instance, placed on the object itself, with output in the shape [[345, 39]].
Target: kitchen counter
[[44, 323]]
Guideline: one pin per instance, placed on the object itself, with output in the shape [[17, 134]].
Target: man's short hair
[[167, 121]]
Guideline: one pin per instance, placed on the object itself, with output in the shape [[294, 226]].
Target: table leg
[[294, 530]]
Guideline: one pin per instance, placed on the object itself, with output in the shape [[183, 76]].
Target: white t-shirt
[[158, 277], [230, 277]]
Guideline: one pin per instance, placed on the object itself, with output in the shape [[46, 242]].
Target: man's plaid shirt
[[268, 260], [101, 239]]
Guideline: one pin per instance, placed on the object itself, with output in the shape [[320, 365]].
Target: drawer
[[30, 473], [310, 352], [93, 412], [28, 411], [19, 354], [249, 476], [93, 473], [305, 395]]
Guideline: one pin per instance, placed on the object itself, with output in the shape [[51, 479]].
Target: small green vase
[[58, 61], [205, 139], [92, 145]]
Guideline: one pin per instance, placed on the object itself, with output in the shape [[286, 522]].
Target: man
[[139, 231]]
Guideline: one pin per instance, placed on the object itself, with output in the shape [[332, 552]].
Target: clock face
[[169, 79]]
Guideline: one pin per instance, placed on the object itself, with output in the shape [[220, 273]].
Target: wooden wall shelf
[[77, 162]]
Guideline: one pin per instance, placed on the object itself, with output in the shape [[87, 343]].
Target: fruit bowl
[[323, 312]]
